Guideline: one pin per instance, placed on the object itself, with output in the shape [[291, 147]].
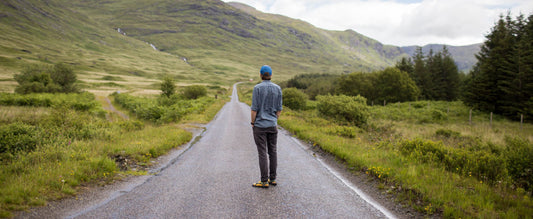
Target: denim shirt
[[266, 101]]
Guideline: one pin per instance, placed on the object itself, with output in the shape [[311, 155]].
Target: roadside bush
[[352, 110], [294, 98], [194, 92], [483, 165], [18, 137], [519, 156], [163, 109]]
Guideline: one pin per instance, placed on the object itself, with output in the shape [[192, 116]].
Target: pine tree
[[484, 82], [433, 79], [450, 76], [406, 65], [420, 73], [526, 68], [502, 80]]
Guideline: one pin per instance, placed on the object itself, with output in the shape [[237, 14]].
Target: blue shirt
[[266, 101]]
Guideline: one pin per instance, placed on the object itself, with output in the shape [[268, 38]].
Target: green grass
[[419, 178]]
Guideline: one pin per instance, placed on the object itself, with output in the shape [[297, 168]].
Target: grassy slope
[[47, 32]]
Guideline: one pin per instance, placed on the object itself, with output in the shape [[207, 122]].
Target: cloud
[[401, 22]]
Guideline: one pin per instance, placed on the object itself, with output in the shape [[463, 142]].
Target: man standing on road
[[266, 108]]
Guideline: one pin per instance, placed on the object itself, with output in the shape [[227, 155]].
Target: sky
[[401, 22]]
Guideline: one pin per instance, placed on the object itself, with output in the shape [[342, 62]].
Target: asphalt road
[[213, 179]]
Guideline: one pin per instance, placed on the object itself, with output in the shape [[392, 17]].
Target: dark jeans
[[266, 140]]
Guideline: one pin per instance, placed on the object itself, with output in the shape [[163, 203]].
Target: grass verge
[[72, 146], [429, 156]]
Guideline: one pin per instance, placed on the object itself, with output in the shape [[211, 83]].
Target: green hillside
[[197, 41], [45, 32]]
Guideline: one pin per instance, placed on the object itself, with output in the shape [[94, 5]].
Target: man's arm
[[278, 113], [254, 114]]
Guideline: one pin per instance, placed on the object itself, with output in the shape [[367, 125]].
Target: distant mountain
[[196, 41], [464, 56]]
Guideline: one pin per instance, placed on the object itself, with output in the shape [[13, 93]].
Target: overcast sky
[[401, 22]]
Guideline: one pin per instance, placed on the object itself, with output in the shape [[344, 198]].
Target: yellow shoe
[[272, 182], [261, 184]]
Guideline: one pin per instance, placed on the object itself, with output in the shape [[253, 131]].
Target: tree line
[[501, 82], [430, 77]]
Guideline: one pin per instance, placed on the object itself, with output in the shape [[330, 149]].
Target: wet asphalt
[[213, 179]]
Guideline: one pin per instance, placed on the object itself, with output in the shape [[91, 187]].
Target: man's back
[[267, 101]]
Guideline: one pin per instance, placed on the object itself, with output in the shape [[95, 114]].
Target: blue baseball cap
[[266, 69]]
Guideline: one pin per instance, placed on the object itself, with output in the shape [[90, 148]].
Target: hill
[[131, 44], [464, 56], [196, 41]]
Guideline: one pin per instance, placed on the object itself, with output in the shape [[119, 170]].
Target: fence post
[[384, 102], [521, 120], [470, 117], [490, 119]]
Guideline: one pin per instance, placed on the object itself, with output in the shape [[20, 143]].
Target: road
[[213, 179]]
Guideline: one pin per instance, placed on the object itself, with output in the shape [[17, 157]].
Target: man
[[266, 108]]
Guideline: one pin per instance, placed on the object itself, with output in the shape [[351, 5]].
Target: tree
[[65, 77], [393, 85], [406, 65], [501, 82], [358, 83], [168, 87], [444, 76], [35, 79], [420, 73]]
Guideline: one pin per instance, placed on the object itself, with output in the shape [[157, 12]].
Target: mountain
[[464, 56], [131, 44]]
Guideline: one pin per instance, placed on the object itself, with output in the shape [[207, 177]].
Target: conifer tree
[[502, 80], [406, 65], [450, 75], [526, 67], [420, 73]]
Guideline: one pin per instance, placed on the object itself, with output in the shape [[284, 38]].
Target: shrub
[[45, 79], [344, 108], [483, 165], [163, 109], [438, 115], [519, 156], [447, 133], [294, 98], [17, 137], [194, 91], [78, 101]]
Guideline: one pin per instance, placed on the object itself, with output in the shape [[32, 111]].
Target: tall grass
[[74, 145]]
